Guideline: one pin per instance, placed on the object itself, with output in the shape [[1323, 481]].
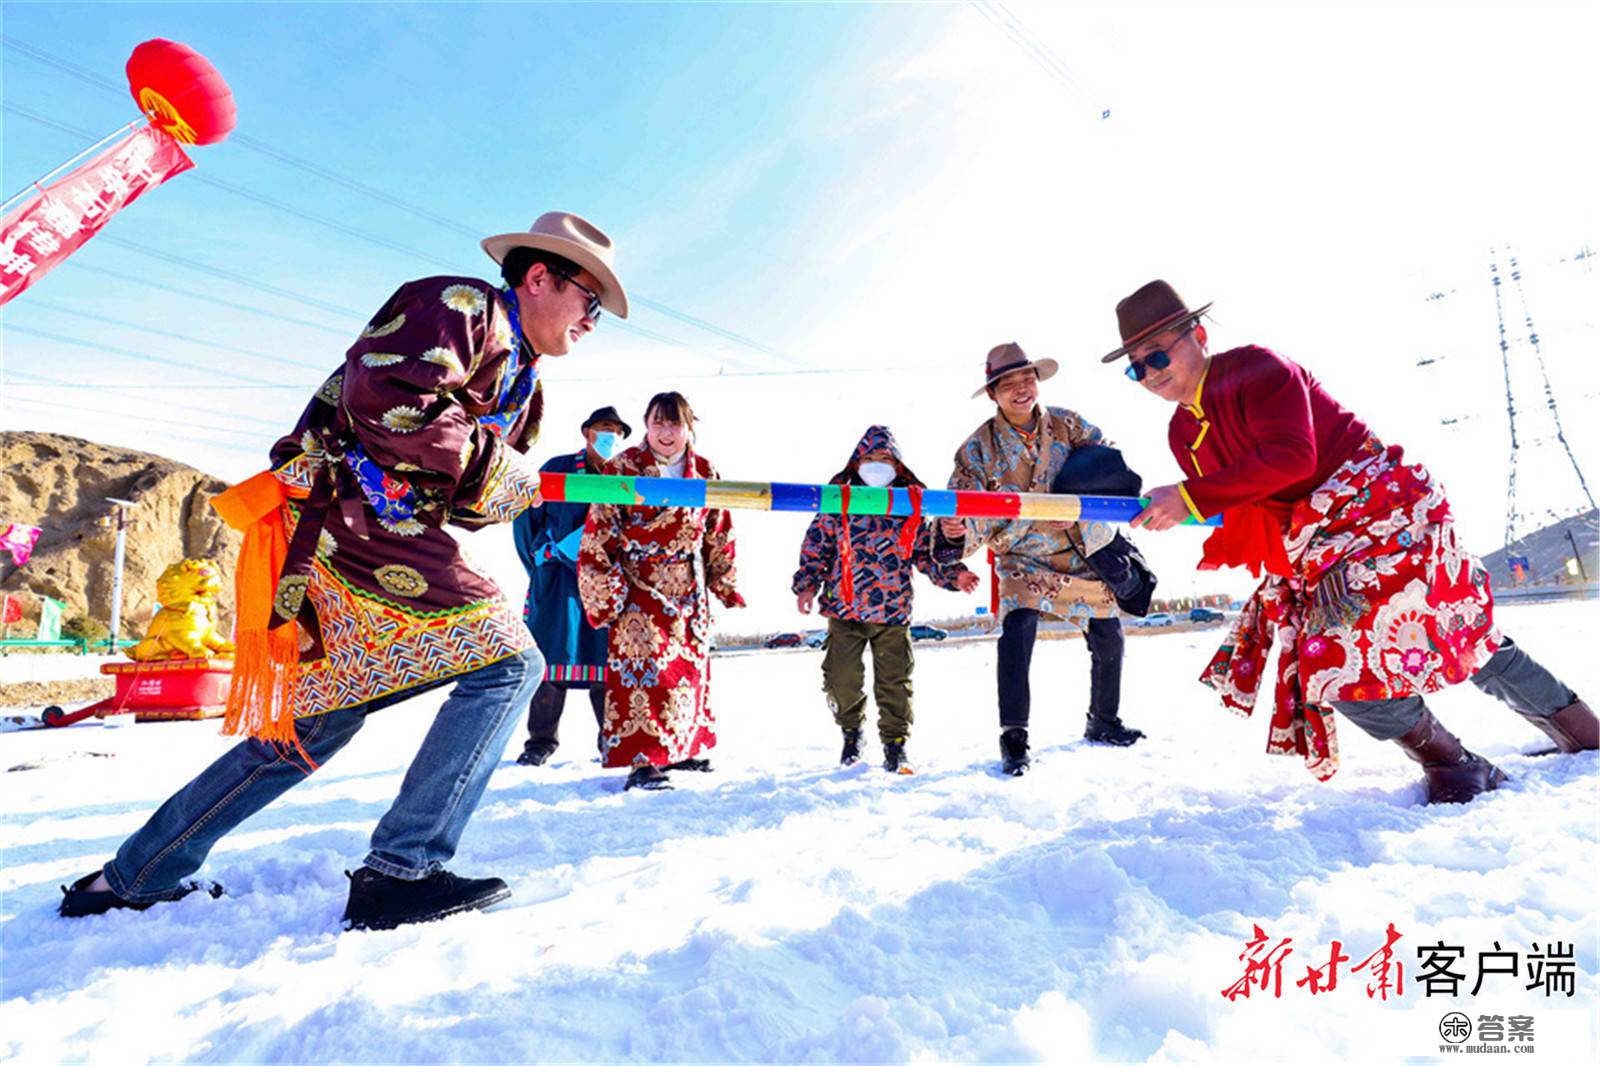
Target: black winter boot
[[378, 901], [1110, 731], [651, 778], [1014, 752], [534, 756], [894, 757], [699, 766], [852, 748], [78, 902]]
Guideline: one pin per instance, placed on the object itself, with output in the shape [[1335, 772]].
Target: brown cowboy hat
[[1151, 309], [1004, 358], [573, 238]]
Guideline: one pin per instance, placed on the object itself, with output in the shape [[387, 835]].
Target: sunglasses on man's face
[[1156, 359], [591, 312]]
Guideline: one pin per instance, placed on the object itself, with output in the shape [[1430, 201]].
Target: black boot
[[78, 902], [1451, 773], [1110, 731], [1014, 752], [699, 766], [894, 757], [534, 756], [378, 901], [648, 777], [852, 748]]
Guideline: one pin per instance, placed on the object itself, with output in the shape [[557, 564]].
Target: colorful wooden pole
[[839, 499]]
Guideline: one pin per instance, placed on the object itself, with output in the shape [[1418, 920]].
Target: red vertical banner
[[57, 219], [10, 610]]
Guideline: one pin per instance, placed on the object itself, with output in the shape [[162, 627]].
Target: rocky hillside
[[61, 484]]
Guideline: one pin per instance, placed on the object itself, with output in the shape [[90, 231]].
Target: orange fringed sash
[[261, 696]]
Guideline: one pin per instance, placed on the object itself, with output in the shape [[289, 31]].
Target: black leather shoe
[[78, 902], [1014, 752], [648, 777], [1110, 731], [378, 901], [534, 757], [699, 766]]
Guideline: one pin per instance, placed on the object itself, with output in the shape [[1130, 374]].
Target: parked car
[[1205, 614], [1160, 618], [928, 633], [814, 640], [783, 640]]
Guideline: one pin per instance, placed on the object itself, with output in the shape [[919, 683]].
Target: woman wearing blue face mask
[[547, 540]]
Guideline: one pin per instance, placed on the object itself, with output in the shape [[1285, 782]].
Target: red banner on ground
[[57, 219]]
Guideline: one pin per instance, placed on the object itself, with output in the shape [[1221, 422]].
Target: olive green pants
[[844, 675]]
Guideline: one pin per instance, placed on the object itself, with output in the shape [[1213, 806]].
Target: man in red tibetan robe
[[1374, 600]]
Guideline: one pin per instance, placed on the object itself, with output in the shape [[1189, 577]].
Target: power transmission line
[[192, 295], [146, 356], [1513, 512], [1001, 17], [207, 343], [89, 77], [43, 382], [626, 327], [228, 275], [53, 404]]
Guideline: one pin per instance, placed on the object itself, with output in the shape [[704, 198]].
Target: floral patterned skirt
[[657, 709], [1383, 603]]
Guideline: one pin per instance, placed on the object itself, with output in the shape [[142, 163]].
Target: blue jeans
[[417, 835]]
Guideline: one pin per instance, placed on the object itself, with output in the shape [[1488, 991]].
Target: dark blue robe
[[574, 651]]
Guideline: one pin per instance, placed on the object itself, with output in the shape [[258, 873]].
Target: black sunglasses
[[592, 312], [1158, 359]]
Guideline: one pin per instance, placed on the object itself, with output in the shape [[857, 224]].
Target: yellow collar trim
[[1200, 387]]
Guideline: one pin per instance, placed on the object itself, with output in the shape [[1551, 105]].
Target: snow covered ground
[[785, 909]]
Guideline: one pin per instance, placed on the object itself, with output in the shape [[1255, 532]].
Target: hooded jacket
[[863, 563]]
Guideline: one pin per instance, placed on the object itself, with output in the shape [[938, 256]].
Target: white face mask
[[606, 444], [877, 475]]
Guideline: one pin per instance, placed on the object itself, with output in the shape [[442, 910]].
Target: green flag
[[49, 619]]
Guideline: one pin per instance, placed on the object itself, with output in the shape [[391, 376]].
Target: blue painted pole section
[[670, 491], [789, 497]]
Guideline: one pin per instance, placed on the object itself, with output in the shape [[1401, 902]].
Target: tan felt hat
[[573, 238]]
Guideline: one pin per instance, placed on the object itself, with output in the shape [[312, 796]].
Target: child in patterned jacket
[[861, 565]]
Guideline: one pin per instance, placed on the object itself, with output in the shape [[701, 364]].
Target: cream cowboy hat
[[1004, 358], [573, 238]]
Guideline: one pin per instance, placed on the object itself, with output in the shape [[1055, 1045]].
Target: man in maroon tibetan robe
[[1372, 600], [353, 596]]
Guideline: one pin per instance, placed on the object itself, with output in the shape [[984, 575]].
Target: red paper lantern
[[181, 92]]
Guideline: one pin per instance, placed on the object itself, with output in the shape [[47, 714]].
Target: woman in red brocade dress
[[648, 573]]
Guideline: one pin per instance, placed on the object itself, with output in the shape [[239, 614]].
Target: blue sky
[[880, 191]]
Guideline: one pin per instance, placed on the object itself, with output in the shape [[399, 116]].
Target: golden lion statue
[[186, 625]]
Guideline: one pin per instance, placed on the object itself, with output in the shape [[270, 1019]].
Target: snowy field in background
[[785, 909]]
